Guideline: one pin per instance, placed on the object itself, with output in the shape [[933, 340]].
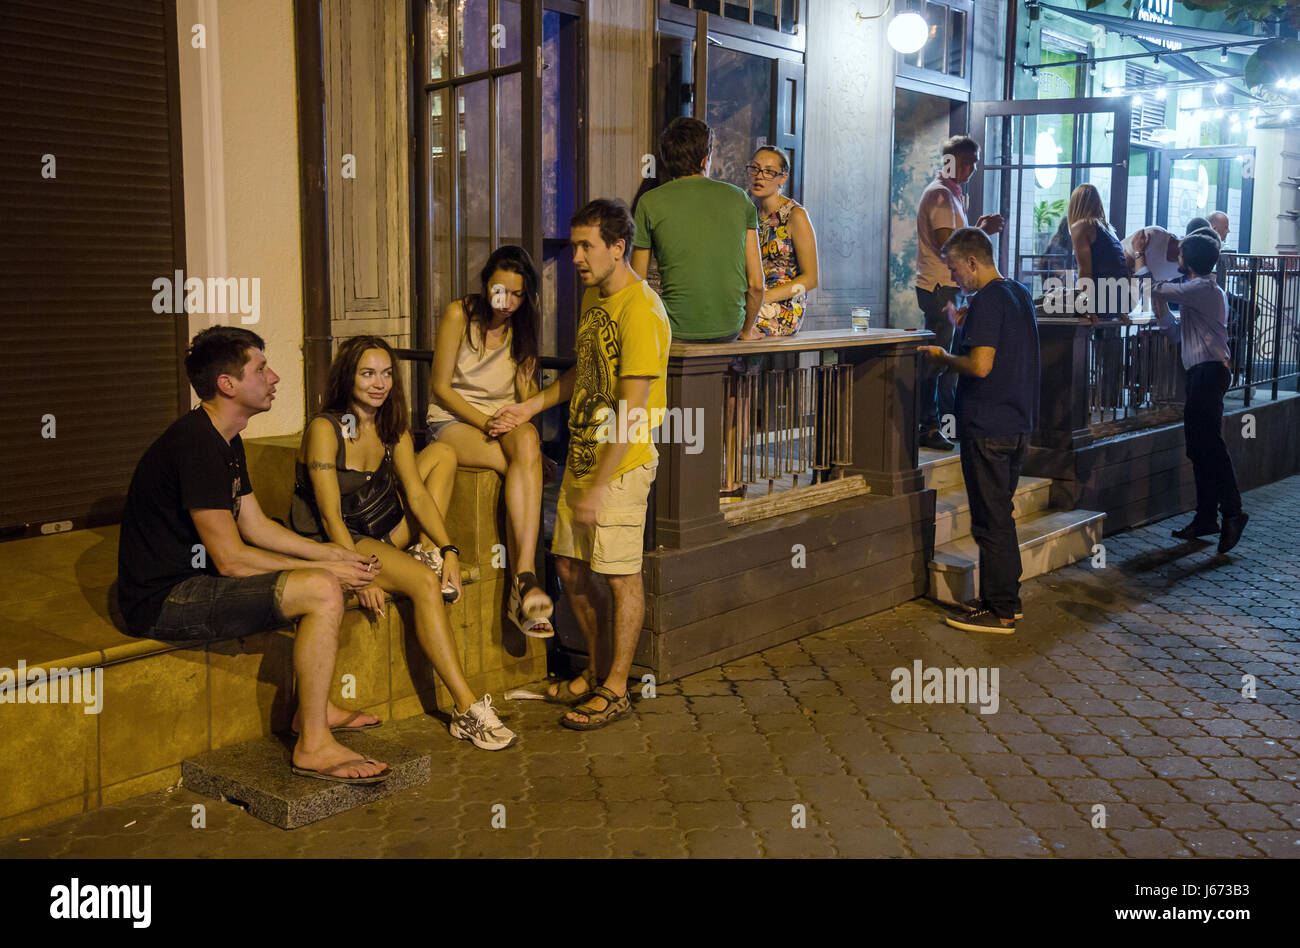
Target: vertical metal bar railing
[[1279, 277], [789, 421]]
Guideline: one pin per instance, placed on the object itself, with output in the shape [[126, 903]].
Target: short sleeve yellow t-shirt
[[623, 335]]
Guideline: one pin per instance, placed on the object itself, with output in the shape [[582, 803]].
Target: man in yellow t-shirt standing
[[617, 397]]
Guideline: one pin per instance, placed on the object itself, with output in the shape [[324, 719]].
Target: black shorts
[[209, 608]]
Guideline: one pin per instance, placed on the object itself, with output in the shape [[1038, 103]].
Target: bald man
[[1219, 223]]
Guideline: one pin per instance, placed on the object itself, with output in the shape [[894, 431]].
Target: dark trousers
[[991, 468], [1216, 482], [937, 383]]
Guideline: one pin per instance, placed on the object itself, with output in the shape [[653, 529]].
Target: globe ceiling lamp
[[908, 32]]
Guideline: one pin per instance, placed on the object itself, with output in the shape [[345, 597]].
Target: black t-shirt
[[190, 467], [1005, 402]]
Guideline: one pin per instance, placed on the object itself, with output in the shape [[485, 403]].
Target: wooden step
[[1048, 540], [941, 469], [952, 507]]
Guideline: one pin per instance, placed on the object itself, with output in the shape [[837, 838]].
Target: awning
[[1189, 35]]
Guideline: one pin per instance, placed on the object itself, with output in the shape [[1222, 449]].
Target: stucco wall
[[240, 128]]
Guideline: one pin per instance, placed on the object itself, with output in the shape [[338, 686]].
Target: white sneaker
[[481, 725]]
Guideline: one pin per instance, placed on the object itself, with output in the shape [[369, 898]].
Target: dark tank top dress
[[303, 516]]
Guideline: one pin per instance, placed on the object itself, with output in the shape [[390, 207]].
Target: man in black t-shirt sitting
[[996, 357], [199, 561]]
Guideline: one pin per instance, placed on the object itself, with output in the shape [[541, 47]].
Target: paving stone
[[1005, 843], [987, 814], [1150, 843], [914, 813], [723, 844], [1281, 844], [1079, 843], [574, 844], [939, 841], [1218, 844], [647, 843]]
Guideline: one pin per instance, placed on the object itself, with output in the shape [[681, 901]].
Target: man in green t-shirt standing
[[704, 234], [617, 396]]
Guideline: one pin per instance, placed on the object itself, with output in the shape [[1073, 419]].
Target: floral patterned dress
[[779, 267]]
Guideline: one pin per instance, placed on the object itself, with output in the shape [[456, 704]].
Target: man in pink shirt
[[942, 211]]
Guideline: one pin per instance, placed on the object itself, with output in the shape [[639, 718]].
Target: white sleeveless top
[[483, 377]]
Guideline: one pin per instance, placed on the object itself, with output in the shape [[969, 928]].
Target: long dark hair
[[524, 320], [391, 421]]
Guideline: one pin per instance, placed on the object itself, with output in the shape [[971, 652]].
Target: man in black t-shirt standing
[[199, 561], [996, 356]]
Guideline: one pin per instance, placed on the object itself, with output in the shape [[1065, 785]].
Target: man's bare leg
[[315, 596], [629, 613], [585, 601]]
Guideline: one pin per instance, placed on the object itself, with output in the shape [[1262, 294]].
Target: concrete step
[[952, 507], [1048, 541], [941, 469], [257, 775]]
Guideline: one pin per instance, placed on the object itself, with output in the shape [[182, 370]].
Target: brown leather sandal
[[615, 708], [565, 695]]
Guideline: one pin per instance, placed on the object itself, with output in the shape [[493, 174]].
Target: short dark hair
[[962, 145], [613, 219], [968, 242], [684, 145], [1197, 223], [1200, 253], [217, 351]]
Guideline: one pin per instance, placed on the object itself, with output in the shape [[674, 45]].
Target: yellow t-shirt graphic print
[[626, 334]]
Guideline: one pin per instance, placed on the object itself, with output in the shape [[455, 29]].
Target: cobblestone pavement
[[1122, 688]]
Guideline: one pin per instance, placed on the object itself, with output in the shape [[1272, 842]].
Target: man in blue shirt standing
[[996, 358]]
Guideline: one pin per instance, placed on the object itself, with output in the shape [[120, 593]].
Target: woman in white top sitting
[[485, 358]]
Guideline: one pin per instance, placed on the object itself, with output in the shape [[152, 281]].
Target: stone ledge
[[257, 775]]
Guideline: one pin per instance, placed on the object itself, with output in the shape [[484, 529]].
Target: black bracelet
[[442, 550]]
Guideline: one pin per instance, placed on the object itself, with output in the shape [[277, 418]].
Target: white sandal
[[433, 560], [538, 626]]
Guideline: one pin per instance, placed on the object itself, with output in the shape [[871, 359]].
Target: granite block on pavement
[[258, 776]]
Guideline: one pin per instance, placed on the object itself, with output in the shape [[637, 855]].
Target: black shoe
[[975, 606], [1196, 529], [935, 441], [981, 620], [1232, 527]]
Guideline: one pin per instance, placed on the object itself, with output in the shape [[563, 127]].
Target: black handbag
[[376, 508]]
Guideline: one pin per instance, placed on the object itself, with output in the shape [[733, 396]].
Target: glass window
[[739, 110], [473, 36], [507, 43], [509, 161], [765, 13], [439, 40], [440, 203]]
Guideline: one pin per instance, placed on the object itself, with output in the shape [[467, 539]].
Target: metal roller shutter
[[93, 84]]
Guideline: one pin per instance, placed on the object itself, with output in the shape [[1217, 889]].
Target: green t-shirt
[[696, 227]]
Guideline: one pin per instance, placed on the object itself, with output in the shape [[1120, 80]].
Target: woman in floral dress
[[786, 241]]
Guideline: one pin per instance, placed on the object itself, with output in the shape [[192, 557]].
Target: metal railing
[[784, 420], [1133, 370], [1263, 333], [1136, 371]]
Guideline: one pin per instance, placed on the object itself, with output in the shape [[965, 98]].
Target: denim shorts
[[436, 428], [209, 608]]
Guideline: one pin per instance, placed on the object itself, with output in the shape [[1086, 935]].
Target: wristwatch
[[450, 547]]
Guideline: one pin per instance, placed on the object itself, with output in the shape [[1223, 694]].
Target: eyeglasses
[[766, 174]]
